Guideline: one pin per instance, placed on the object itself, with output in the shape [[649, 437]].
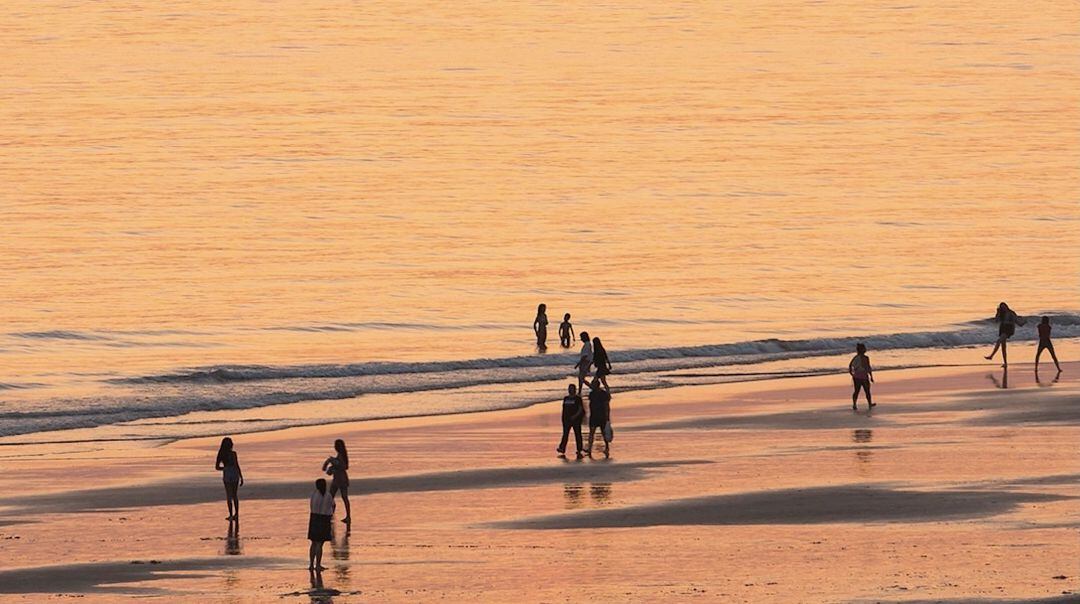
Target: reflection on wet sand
[[232, 540], [339, 550], [318, 593], [600, 492], [1003, 383], [863, 436], [572, 494]]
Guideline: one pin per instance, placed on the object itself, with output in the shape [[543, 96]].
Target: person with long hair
[[318, 532], [231, 474], [1007, 321], [338, 467], [602, 363], [540, 324]]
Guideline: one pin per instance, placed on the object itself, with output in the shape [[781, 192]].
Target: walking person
[[318, 532], [602, 363], [1045, 344], [573, 412], [338, 467], [585, 360], [566, 332], [540, 324], [1007, 321], [231, 474], [599, 417], [862, 374]]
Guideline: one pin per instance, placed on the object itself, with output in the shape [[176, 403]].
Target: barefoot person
[[602, 363], [338, 467], [229, 465], [566, 332], [862, 375], [1045, 344], [1007, 321], [573, 411], [599, 416], [540, 324], [318, 532], [585, 360]]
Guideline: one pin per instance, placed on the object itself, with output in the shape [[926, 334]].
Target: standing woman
[[602, 362], [229, 464], [540, 324], [318, 530], [1007, 321], [338, 467]]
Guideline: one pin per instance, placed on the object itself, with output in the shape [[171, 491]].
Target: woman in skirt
[[318, 531]]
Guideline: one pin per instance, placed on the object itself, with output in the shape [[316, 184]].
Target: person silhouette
[[540, 324], [322, 512], [231, 474], [1007, 321], [585, 360], [1045, 344], [599, 416], [602, 363], [862, 375], [338, 467], [566, 332], [573, 412]]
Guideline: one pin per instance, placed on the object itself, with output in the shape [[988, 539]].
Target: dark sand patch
[[823, 505], [196, 491], [1062, 599], [107, 577]]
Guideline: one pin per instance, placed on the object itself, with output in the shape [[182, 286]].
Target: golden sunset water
[[300, 190]]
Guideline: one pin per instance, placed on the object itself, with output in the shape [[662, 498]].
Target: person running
[[566, 332], [318, 532], [1007, 321], [1045, 344], [573, 411], [585, 360], [540, 324], [231, 474], [599, 416], [602, 363], [862, 374], [338, 467]]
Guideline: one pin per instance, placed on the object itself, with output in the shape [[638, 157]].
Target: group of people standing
[[1007, 320], [321, 503]]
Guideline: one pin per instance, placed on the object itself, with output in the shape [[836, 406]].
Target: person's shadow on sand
[[1003, 383]]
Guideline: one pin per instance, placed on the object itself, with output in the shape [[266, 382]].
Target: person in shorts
[[1045, 344], [862, 374]]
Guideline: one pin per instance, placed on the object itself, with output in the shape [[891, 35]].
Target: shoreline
[[757, 463]]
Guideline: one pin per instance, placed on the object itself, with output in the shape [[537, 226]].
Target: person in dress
[[229, 465], [338, 467], [318, 532], [862, 375], [540, 324], [1007, 321], [602, 363]]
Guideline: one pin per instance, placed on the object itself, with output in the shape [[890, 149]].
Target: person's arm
[[536, 325], [326, 464], [572, 336], [851, 366], [580, 410], [239, 471], [869, 370], [218, 464]]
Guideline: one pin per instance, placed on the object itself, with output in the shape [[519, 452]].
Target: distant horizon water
[[228, 216]]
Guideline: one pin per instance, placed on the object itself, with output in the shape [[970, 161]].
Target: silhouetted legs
[[334, 488], [592, 435], [865, 386], [566, 436], [1001, 343], [1050, 347], [315, 556], [232, 500]]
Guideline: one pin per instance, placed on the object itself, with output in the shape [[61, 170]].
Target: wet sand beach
[[952, 489]]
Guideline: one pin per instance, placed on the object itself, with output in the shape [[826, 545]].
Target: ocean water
[[225, 217]]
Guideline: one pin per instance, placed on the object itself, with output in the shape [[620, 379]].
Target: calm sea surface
[[252, 206]]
